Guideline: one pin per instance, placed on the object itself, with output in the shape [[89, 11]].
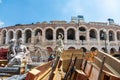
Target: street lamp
[[104, 35]]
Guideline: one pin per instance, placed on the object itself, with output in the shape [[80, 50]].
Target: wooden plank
[[68, 53], [110, 75], [71, 70], [80, 75], [88, 69], [37, 72], [94, 73], [54, 68], [44, 74], [101, 68]]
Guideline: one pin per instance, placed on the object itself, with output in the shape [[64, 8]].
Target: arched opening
[[112, 51], [28, 35], [19, 34], [118, 35], [103, 35], [93, 49], [3, 37], [38, 31], [38, 36], [10, 35], [71, 48], [84, 49], [82, 29], [111, 36], [71, 34], [82, 38], [49, 34], [103, 49], [93, 34], [119, 50], [59, 31]]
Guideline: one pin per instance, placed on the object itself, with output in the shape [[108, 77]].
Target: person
[[60, 45], [51, 57], [21, 52]]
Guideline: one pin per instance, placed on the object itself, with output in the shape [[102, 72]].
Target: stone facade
[[89, 35]]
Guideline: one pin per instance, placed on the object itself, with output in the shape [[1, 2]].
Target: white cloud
[[0, 1], [1, 24]]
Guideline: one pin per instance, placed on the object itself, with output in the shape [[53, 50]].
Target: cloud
[[0, 1], [1, 24]]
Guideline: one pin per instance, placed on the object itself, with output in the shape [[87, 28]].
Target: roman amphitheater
[[77, 33]]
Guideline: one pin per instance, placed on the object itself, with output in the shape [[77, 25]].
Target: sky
[[31, 11]]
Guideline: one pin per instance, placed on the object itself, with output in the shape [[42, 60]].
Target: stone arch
[[112, 51], [82, 38], [118, 35], [102, 34], [93, 49], [59, 30], [10, 35], [28, 35], [93, 34], [84, 49], [70, 27], [37, 30], [103, 49], [49, 34], [28, 29], [111, 36], [48, 27], [37, 35], [71, 48], [3, 36], [18, 34], [4, 30], [71, 34], [82, 29]]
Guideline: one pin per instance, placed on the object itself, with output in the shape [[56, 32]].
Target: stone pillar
[[107, 41], [115, 36], [54, 36], [65, 37], [116, 41], [23, 36], [98, 38], [33, 37], [77, 35], [14, 36], [88, 39], [6, 41], [43, 38]]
